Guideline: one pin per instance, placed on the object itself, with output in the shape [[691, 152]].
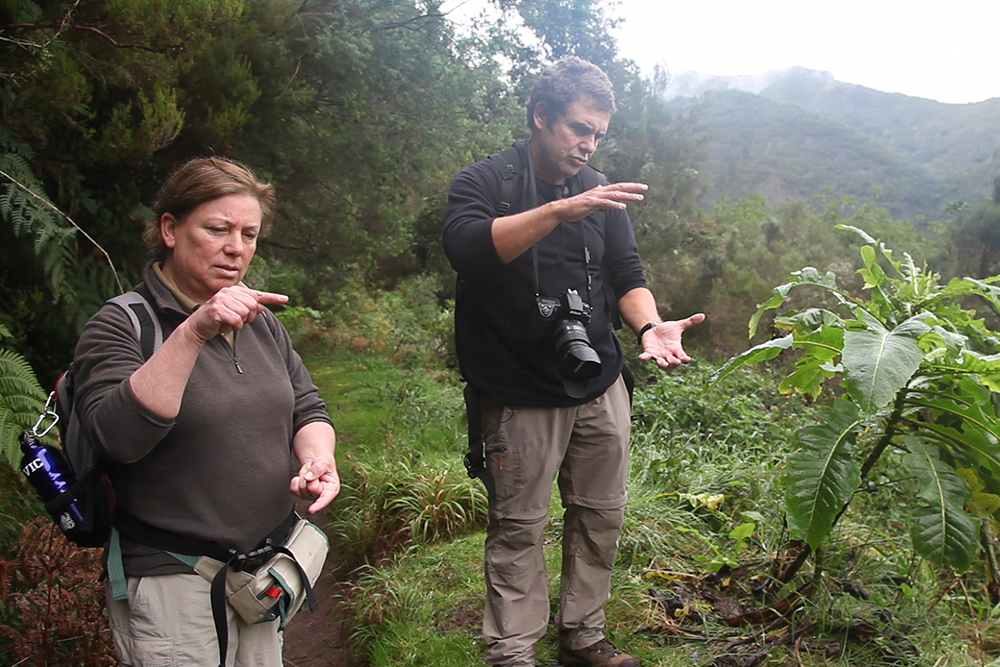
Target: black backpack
[[92, 492]]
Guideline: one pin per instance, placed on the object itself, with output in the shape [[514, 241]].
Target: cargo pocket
[[133, 651], [504, 464]]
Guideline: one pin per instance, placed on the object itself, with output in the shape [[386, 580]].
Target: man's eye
[[250, 237]]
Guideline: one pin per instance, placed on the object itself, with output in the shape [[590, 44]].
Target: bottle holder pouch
[[275, 590]]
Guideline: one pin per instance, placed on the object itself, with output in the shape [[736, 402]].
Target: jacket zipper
[[232, 353]]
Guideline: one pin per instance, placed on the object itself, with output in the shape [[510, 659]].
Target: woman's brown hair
[[201, 180]]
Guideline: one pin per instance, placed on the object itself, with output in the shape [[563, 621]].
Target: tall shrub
[[918, 373]]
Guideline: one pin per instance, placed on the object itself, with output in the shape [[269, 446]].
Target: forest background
[[361, 112]]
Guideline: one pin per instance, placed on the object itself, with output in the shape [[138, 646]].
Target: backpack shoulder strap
[[144, 320], [508, 161], [592, 178]]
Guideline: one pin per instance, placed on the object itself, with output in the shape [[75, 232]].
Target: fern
[[21, 401], [53, 242]]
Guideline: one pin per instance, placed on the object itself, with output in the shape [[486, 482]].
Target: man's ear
[[168, 228], [538, 116]]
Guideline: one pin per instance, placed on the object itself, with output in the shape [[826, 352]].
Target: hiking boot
[[598, 654]]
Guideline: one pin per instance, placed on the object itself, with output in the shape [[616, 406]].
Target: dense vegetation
[[360, 112]]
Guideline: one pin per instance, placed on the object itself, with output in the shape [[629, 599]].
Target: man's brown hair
[[565, 81]]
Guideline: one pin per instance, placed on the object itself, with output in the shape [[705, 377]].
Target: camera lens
[[577, 358]]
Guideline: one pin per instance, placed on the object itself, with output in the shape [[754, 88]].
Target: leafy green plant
[[32, 216], [388, 508], [21, 399], [919, 373], [728, 556]]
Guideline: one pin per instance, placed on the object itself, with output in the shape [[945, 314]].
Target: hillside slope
[[804, 131]]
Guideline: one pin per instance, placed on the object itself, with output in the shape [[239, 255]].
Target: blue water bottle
[[48, 472]]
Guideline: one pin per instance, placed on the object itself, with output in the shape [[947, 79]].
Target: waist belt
[[138, 530]]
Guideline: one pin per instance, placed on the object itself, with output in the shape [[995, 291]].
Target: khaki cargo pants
[[526, 448], [167, 622]]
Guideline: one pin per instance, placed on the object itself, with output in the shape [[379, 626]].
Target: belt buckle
[[252, 561]]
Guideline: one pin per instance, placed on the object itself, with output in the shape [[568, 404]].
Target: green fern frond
[[54, 243], [21, 401]]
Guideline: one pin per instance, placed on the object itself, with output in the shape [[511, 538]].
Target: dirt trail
[[317, 639]]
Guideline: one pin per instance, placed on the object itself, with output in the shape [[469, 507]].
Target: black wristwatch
[[645, 327]]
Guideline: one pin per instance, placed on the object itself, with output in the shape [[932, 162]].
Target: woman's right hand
[[229, 309], [159, 383]]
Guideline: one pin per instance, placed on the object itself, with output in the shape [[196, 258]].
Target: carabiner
[[47, 412]]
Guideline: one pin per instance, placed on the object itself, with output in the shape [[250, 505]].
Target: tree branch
[[62, 26], [408, 22], [70, 220]]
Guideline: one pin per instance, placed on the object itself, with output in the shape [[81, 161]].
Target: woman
[[199, 435]]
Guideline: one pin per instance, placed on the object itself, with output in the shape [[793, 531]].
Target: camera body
[[575, 355]]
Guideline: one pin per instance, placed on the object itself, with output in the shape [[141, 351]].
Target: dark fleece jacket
[[220, 471]]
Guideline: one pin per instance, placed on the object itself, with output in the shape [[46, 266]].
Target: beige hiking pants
[[526, 448], [167, 622]]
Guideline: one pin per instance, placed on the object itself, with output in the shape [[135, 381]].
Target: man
[[533, 273]]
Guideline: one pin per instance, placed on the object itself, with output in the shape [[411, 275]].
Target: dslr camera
[[575, 356]]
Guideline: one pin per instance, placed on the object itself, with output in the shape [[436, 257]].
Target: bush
[[53, 608], [387, 508]]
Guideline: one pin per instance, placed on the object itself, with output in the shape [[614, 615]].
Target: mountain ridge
[[791, 133]]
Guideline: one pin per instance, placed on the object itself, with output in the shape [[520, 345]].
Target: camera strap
[[509, 163], [534, 203]]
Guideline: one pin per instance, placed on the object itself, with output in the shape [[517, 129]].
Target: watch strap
[[645, 327]]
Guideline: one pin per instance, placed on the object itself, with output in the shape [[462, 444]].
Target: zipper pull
[[236, 362]]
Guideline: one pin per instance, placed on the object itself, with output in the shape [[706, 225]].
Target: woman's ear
[[168, 227]]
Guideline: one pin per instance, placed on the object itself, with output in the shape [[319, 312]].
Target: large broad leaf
[[808, 320], [805, 276], [814, 366], [971, 443], [878, 362], [865, 236], [984, 288], [822, 475], [756, 354], [986, 369], [973, 415], [942, 531]]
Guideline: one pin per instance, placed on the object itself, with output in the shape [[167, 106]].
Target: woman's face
[[212, 246]]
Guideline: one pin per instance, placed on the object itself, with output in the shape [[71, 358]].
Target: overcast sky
[[943, 50], [946, 50]]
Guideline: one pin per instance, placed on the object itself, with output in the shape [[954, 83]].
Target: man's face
[[560, 147]]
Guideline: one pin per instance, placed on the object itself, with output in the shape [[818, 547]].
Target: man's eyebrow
[[585, 128]]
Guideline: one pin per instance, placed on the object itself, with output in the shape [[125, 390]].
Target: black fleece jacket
[[505, 350]]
